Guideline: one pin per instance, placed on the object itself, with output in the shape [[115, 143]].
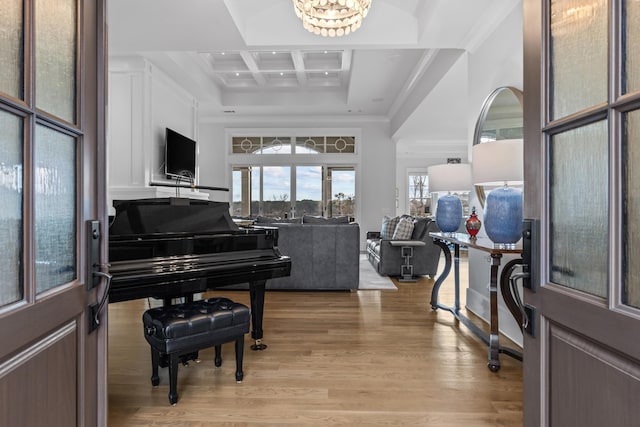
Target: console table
[[513, 302]]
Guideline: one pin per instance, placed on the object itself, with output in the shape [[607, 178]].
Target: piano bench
[[177, 332]]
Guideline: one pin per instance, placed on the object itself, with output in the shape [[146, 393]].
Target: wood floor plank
[[378, 358]]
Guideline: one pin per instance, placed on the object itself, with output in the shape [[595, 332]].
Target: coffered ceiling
[[253, 58], [264, 70]]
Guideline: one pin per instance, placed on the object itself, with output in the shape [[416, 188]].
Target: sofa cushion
[[388, 227], [310, 219], [404, 229]]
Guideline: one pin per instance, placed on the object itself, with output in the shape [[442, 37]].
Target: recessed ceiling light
[[281, 73], [326, 73], [237, 74], [273, 53]]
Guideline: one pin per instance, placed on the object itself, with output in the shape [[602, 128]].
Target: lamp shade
[[449, 177], [498, 162]]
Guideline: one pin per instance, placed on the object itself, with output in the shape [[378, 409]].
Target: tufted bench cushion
[[184, 329]]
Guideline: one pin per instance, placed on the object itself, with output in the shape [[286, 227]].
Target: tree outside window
[[419, 197]]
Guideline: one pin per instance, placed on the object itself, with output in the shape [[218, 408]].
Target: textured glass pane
[[55, 208], [631, 70], [11, 52], [579, 209], [578, 42], [631, 260], [56, 57], [11, 212]]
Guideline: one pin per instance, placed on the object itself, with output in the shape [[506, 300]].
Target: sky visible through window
[[277, 181]]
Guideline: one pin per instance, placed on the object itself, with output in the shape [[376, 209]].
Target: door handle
[[94, 273], [93, 254]]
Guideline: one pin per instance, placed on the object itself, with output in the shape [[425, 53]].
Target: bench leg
[[173, 378], [155, 360], [218, 357], [239, 357]]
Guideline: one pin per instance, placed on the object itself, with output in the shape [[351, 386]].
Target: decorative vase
[[473, 224], [449, 213], [503, 215]]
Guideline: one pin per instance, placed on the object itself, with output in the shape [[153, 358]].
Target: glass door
[[582, 353]]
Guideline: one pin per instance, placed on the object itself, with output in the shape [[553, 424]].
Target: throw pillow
[[420, 228], [388, 227], [404, 228]]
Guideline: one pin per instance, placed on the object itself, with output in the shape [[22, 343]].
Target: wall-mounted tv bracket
[[95, 273]]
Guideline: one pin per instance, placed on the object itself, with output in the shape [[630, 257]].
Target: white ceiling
[[253, 58]]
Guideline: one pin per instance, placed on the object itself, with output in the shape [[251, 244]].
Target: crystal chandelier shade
[[331, 18]]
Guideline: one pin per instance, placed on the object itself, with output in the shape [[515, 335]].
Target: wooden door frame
[[98, 76], [533, 75]]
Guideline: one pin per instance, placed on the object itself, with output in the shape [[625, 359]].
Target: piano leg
[[256, 292]]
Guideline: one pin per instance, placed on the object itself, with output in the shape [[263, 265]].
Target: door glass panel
[[56, 57], [11, 52], [308, 190], [241, 191], [11, 212], [276, 191], [55, 208], [256, 188], [578, 42], [579, 210], [342, 192], [631, 165], [631, 71]]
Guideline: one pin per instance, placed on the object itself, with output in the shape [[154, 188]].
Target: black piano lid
[[170, 215]]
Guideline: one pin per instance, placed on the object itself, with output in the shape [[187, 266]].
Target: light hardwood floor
[[333, 359]]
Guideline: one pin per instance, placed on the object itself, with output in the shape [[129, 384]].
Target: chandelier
[[331, 18]]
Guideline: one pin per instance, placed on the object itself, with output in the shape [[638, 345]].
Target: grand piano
[[168, 248]]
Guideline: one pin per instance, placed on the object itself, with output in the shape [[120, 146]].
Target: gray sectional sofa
[[325, 253], [386, 253]]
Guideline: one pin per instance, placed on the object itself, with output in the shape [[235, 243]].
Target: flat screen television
[[179, 156]]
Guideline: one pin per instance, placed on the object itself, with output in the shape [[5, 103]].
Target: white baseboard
[[478, 304]]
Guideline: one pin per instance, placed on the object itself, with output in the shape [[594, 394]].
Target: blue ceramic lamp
[[450, 177], [500, 163]]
